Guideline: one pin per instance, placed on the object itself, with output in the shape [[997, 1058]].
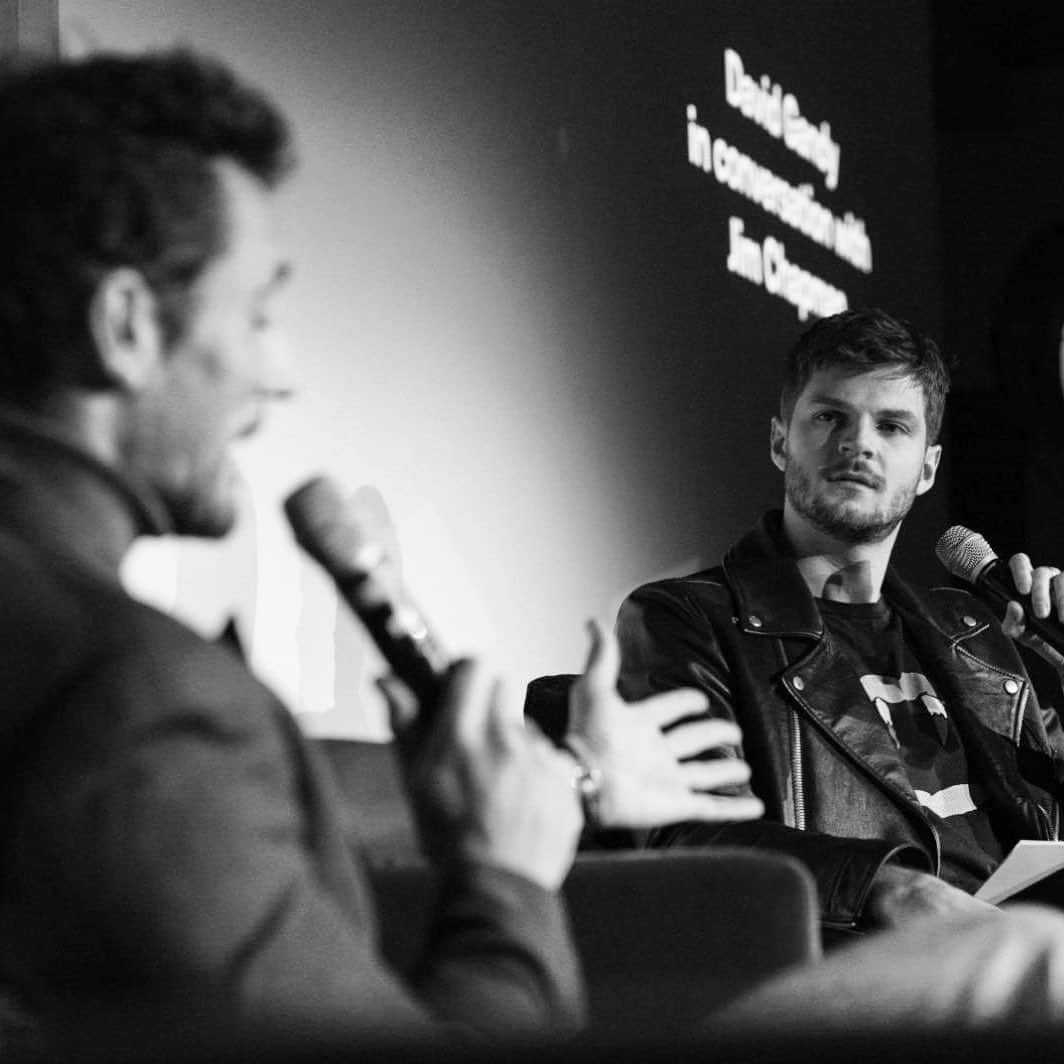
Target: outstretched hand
[[647, 777]]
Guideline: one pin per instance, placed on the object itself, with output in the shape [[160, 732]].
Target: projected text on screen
[[765, 261]]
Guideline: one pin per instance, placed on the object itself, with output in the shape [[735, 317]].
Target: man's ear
[[932, 456], [778, 444], [124, 323]]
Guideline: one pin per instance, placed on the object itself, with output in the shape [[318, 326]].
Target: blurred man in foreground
[[171, 844]]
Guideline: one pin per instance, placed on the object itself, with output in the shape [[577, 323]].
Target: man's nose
[[857, 438], [279, 379]]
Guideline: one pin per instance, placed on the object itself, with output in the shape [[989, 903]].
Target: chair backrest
[[547, 703], [665, 937]]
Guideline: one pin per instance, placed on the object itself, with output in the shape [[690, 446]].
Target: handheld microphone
[[328, 529], [967, 555]]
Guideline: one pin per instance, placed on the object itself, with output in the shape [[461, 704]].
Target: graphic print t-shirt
[[918, 723]]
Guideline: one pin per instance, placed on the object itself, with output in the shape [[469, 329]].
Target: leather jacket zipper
[[1048, 822], [797, 780], [798, 786]]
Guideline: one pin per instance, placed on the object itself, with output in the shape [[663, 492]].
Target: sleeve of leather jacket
[[667, 643], [1049, 689]]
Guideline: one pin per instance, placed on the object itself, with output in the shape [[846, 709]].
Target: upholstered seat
[[665, 937]]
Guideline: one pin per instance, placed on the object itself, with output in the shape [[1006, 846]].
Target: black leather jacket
[[749, 634]]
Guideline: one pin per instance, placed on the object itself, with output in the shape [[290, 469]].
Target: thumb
[[603, 659], [1014, 622]]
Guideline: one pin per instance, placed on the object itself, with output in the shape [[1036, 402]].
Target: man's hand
[[646, 779], [484, 788], [1044, 584], [900, 895]]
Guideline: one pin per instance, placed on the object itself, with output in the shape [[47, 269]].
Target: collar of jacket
[[57, 496], [774, 600]]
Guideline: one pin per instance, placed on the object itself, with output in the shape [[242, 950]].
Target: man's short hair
[[107, 162], [862, 340]]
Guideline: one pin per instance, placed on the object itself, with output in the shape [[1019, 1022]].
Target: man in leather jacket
[[893, 732]]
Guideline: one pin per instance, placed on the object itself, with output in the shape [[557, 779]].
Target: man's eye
[[826, 415], [893, 428]]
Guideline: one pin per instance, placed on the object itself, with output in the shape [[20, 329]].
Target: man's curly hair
[[107, 162]]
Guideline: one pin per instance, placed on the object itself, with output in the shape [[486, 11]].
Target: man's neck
[[834, 568], [75, 442], [82, 421]]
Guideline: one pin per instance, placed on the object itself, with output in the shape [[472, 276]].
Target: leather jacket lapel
[[987, 702], [771, 597], [774, 601], [847, 715], [949, 647]]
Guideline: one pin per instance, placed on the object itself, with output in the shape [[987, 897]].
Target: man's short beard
[[839, 523], [207, 508]]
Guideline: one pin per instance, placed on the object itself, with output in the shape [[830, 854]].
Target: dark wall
[[999, 78], [698, 347]]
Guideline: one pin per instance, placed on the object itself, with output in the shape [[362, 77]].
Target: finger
[[671, 706], [594, 651], [701, 735], [1013, 622], [1041, 592], [603, 660], [1058, 595], [548, 755], [505, 727], [712, 775], [466, 704], [1021, 569], [715, 808]]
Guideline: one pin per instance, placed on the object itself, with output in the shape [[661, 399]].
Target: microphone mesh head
[[318, 515], [963, 552], [347, 535]]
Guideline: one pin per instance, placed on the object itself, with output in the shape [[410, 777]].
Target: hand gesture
[[646, 775], [483, 788]]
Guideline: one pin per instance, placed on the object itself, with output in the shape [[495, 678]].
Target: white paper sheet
[[1029, 861]]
